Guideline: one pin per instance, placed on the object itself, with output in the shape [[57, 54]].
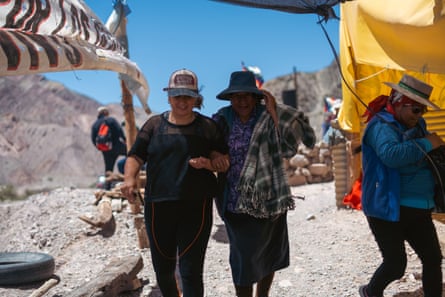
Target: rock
[[331, 255]]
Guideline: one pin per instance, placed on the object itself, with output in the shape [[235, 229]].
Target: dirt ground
[[332, 250]]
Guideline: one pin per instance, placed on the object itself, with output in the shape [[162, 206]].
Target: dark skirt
[[258, 247]]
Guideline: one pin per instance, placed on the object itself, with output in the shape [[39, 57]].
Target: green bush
[[7, 192]]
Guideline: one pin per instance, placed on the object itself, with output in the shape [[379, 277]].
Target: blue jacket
[[394, 170]]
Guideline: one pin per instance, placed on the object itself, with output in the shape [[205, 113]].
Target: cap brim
[[182, 92], [412, 96]]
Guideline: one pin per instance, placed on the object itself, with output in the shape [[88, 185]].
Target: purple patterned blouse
[[238, 142]]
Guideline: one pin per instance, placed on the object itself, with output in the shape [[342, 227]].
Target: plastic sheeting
[[320, 7], [380, 41]]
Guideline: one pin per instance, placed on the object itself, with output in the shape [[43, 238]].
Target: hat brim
[[412, 96], [226, 94], [182, 92]]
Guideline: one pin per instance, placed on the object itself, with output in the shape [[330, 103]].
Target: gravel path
[[332, 250]]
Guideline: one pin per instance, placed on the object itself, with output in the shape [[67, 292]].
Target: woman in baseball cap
[[182, 148]]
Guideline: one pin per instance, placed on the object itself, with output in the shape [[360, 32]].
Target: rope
[[435, 169]]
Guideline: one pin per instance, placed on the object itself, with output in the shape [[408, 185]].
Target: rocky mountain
[[45, 127], [311, 88], [45, 134]]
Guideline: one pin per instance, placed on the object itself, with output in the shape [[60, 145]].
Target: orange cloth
[[354, 198]]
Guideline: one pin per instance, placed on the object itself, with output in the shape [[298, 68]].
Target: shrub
[[7, 192]]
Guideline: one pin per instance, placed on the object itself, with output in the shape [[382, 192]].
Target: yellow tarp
[[380, 40]]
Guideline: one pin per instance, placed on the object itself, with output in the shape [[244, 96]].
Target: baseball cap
[[183, 82], [102, 109]]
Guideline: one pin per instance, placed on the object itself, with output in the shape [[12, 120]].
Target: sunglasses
[[416, 109]]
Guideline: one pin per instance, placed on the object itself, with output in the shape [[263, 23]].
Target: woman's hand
[[200, 163], [435, 140], [270, 101], [218, 162], [128, 188], [271, 106]]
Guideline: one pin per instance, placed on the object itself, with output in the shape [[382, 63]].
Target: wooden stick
[[139, 224], [105, 214], [45, 287]]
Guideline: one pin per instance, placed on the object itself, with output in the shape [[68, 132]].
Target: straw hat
[[414, 89]]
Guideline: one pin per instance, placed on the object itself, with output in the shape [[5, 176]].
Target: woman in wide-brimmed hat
[[398, 186], [255, 197]]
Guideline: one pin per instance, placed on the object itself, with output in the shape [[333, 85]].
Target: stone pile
[[309, 166]]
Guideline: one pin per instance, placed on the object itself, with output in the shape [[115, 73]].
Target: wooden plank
[[139, 224], [118, 276], [105, 216]]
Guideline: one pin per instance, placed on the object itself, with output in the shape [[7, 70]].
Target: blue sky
[[210, 38]]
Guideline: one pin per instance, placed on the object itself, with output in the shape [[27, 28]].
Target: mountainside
[[45, 134], [311, 89], [45, 127]]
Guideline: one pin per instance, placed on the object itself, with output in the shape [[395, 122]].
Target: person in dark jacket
[[254, 194], [398, 185], [119, 147]]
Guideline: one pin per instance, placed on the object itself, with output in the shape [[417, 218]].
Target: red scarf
[[382, 101], [375, 106]]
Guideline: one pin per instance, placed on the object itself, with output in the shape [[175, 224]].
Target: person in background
[[254, 194], [181, 149], [121, 162], [398, 186], [121, 165], [332, 108], [119, 147]]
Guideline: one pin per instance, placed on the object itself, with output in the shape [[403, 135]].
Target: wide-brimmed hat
[[414, 89], [241, 82], [183, 82]]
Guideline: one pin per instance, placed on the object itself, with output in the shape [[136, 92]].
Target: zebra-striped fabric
[[38, 36]]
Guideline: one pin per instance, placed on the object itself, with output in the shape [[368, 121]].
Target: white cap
[[183, 82]]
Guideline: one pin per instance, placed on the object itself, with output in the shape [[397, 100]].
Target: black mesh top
[[167, 148]]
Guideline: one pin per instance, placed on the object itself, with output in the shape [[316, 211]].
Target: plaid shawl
[[263, 187]]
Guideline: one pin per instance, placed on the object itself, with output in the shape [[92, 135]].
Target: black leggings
[[110, 157], [417, 228], [179, 231]]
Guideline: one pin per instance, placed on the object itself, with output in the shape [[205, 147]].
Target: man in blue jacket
[[398, 186]]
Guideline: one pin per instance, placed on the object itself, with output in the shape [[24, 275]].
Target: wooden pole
[[127, 103], [296, 87], [127, 98], [130, 123]]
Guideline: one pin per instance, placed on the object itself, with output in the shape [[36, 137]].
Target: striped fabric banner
[[38, 36]]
